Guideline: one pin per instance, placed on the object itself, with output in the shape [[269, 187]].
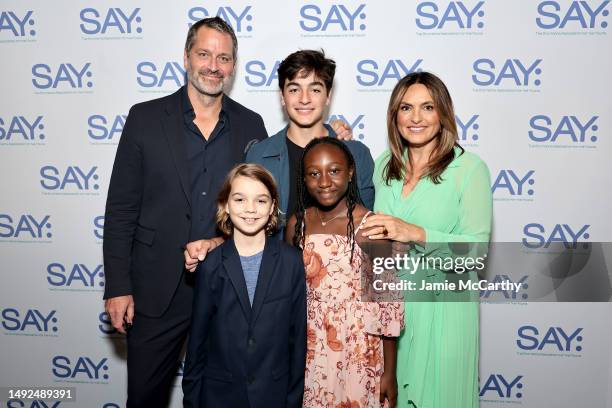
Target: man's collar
[[187, 107]]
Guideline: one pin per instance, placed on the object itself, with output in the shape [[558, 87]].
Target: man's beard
[[199, 84]]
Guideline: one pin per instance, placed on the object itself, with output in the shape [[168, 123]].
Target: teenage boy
[[305, 80]]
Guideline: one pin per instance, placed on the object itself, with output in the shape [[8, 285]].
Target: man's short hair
[[305, 62], [216, 23]]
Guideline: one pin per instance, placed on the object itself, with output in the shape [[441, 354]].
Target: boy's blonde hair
[[254, 172]]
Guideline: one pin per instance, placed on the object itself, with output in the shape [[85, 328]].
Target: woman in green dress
[[430, 192]]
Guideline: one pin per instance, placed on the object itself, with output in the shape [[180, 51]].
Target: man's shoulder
[[236, 108], [156, 104], [173, 102]]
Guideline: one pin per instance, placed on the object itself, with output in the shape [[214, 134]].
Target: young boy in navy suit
[[247, 344]]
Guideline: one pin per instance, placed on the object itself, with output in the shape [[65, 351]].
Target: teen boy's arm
[[365, 171]]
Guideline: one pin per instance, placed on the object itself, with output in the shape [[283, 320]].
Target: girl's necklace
[[324, 223]]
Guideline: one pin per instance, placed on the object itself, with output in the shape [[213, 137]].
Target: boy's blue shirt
[[272, 153]]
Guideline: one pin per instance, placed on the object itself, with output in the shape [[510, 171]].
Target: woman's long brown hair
[[443, 153]]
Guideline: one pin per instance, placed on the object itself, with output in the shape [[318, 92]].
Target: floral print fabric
[[345, 351]]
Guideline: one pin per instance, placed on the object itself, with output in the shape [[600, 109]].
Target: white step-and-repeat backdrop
[[531, 85]]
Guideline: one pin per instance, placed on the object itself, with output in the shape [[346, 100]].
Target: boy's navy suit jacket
[[242, 356]]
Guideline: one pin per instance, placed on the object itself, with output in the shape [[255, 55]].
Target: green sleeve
[[475, 212], [474, 224]]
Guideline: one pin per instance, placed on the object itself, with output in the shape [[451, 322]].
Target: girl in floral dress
[[351, 349]]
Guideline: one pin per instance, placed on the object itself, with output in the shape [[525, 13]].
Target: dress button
[[251, 342], [203, 193], [251, 380], [188, 216]]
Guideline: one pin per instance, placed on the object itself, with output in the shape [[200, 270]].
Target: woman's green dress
[[438, 350]]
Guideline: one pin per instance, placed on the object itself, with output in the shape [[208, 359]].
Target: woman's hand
[[382, 226], [388, 389], [343, 130]]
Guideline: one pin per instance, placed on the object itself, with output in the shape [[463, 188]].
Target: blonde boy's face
[[249, 206]]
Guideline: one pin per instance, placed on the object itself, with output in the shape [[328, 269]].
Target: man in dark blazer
[[238, 356], [171, 160]]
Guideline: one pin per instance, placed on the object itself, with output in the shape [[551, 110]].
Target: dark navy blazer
[[242, 356], [148, 209]]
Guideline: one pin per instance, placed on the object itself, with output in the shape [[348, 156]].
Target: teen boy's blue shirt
[[272, 153]]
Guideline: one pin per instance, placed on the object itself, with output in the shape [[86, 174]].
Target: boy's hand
[[342, 129]]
